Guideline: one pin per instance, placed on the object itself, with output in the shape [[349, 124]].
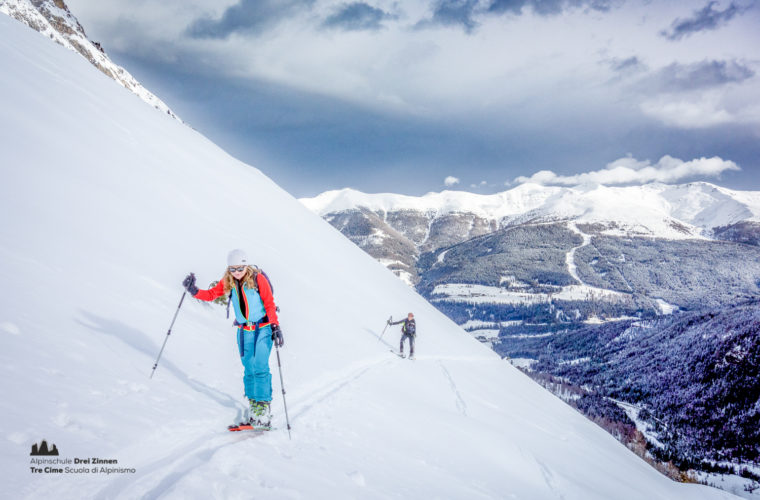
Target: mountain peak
[[53, 19]]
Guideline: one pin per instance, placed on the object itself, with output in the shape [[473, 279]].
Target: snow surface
[[524, 363], [645, 428], [486, 334], [740, 486], [572, 268], [676, 212], [107, 205], [484, 294], [442, 256], [665, 307], [474, 324]]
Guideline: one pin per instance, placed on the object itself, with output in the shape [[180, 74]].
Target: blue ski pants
[[255, 346], [411, 344]]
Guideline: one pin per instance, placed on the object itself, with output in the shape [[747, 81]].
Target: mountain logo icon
[[43, 449]]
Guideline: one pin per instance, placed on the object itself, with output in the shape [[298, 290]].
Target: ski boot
[[252, 404], [261, 416]]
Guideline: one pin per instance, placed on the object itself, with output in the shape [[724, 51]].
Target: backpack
[[410, 327], [256, 270]]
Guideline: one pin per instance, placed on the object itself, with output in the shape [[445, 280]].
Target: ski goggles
[[236, 269]]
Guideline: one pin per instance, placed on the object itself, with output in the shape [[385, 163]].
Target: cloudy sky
[[425, 95]]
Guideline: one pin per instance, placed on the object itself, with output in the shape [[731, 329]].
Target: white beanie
[[237, 257]]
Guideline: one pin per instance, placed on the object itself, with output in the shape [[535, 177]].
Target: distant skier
[[258, 328], [408, 331]]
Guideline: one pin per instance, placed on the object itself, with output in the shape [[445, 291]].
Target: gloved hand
[[189, 284], [277, 336]]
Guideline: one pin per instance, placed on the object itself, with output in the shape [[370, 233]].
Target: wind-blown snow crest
[[107, 206]]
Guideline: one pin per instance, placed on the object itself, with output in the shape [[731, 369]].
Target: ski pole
[[282, 385], [390, 319], [167, 334]]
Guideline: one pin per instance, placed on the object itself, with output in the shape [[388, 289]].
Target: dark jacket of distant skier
[[408, 331], [251, 298]]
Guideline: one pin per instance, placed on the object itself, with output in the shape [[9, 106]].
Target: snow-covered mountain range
[[527, 271], [417, 237], [93, 253], [53, 19], [696, 210]]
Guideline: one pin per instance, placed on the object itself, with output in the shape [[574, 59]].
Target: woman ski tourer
[[408, 331], [250, 296]]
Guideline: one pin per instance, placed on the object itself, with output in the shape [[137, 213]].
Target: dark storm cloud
[[358, 16], [457, 13], [545, 7], [461, 13], [247, 16], [708, 18], [311, 143], [706, 74]]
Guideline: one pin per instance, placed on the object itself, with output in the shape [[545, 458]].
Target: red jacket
[[265, 292]]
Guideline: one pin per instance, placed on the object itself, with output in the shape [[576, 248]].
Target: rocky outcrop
[[379, 239], [398, 239]]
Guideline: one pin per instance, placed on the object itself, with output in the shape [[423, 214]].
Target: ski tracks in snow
[[168, 470], [338, 383], [459, 400], [548, 476], [156, 478]]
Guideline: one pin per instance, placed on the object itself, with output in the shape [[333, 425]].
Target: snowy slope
[[683, 211], [53, 20], [106, 205]]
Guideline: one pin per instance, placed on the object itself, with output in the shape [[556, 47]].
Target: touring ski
[[247, 426]]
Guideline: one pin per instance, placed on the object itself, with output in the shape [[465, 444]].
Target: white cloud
[[450, 181], [632, 171], [703, 109], [686, 114]]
